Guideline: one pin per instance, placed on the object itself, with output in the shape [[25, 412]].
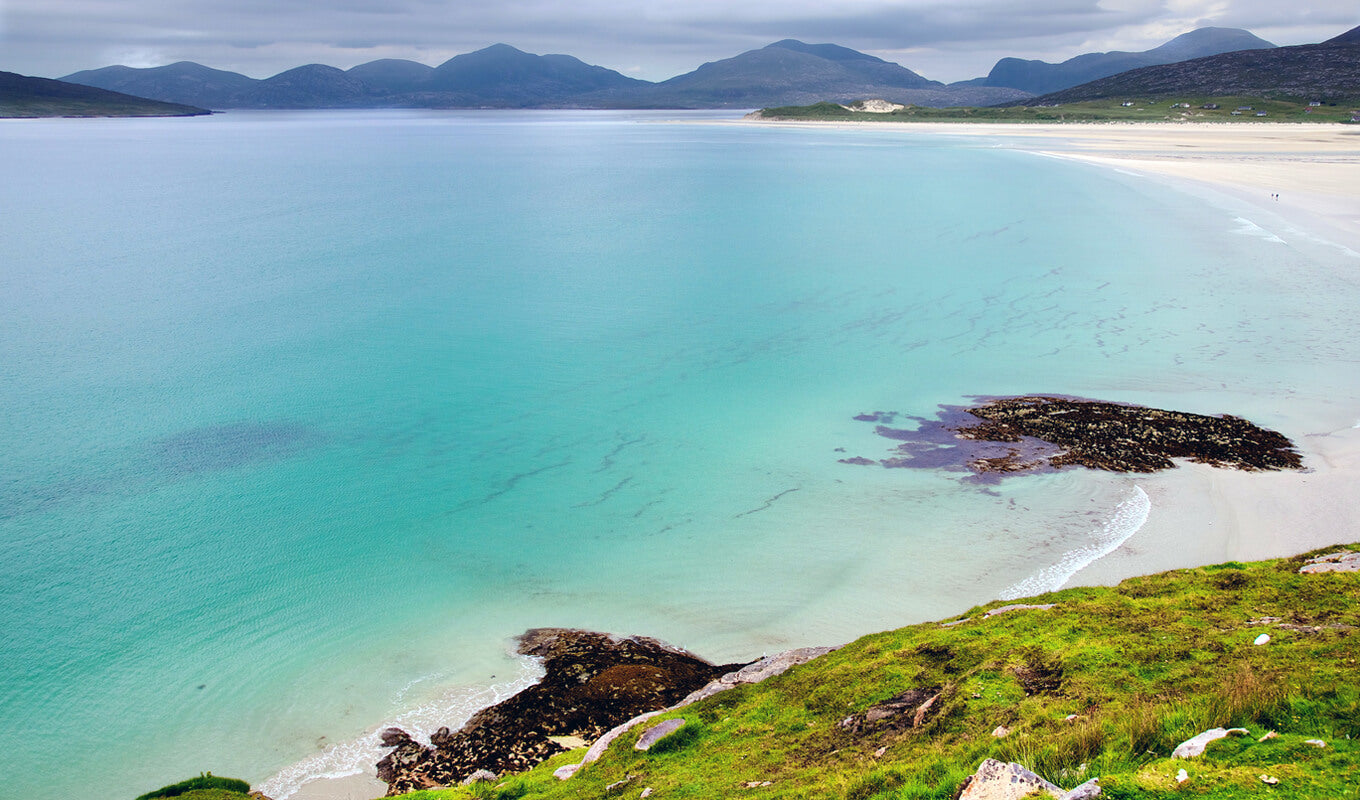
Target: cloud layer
[[654, 39]]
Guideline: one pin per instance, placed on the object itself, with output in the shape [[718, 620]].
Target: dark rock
[[1043, 433], [910, 709], [395, 737], [441, 736], [592, 683], [1126, 438]]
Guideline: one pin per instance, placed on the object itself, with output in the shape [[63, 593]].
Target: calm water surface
[[306, 414]]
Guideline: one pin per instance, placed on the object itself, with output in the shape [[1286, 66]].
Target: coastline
[[1313, 168], [1251, 516]]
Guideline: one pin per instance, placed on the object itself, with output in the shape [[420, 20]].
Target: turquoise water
[[307, 414]]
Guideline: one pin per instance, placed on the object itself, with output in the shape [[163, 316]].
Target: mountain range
[[1328, 72], [787, 72], [1041, 77]]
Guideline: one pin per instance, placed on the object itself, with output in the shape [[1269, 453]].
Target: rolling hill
[[24, 96]]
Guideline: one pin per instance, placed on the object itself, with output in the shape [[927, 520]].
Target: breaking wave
[[1129, 516]]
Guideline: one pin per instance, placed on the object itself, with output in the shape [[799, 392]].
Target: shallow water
[[309, 413]]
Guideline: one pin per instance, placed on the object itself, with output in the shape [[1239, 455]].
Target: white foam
[[1129, 516], [1248, 228], [358, 756]]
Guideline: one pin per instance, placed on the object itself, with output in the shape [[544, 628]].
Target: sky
[[945, 40]]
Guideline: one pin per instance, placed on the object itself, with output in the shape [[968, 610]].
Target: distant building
[[1210, 106], [1237, 113], [1260, 113], [1244, 108], [1126, 104], [1315, 104]]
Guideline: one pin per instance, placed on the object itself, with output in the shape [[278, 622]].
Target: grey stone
[[756, 672], [1194, 747], [566, 771], [658, 732], [997, 781], [1087, 791], [480, 776]]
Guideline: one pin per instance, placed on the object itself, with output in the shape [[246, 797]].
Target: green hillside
[[1104, 684]]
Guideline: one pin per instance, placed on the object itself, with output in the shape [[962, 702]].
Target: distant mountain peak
[[1042, 77], [1351, 36], [831, 52]]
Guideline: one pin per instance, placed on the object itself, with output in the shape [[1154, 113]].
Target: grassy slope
[[1142, 666], [1093, 111]]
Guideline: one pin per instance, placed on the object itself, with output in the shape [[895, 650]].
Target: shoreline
[[1245, 516], [1312, 167]]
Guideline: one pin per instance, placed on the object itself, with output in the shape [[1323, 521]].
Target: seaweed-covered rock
[[1043, 433], [592, 682]]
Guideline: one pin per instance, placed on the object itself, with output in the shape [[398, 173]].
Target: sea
[[305, 415]]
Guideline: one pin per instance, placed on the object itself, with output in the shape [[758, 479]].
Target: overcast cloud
[[945, 40]]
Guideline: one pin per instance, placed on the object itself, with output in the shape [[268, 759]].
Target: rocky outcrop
[[757, 671], [1340, 561], [592, 682], [754, 672], [1127, 438], [995, 780], [1044, 433], [910, 709]]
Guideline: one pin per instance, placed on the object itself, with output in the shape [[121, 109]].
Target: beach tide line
[[1129, 516], [1248, 228], [358, 756]]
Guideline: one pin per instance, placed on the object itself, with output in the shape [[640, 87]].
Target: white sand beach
[[1306, 175]]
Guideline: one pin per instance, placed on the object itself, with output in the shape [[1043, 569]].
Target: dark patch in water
[[142, 467], [1043, 433], [935, 444], [237, 444]]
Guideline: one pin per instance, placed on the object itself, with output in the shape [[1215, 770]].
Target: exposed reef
[[592, 683], [1041, 433]]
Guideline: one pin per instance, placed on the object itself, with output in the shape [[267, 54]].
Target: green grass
[[205, 787], [1138, 668], [1142, 110]]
